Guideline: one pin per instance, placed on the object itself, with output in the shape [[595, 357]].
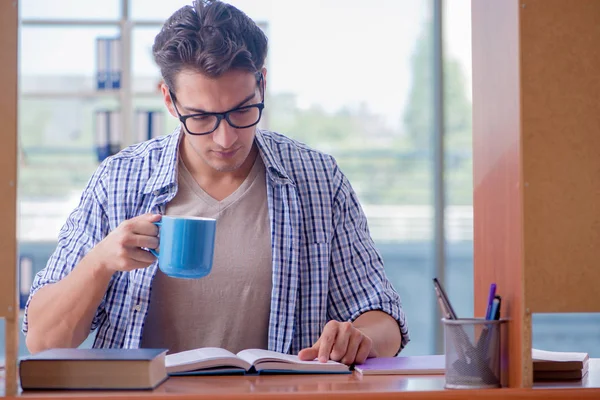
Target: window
[[347, 86], [458, 155]]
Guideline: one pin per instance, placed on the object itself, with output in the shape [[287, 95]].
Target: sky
[[334, 53]]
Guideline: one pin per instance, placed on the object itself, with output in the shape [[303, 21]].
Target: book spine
[[115, 134], [116, 57], [102, 59], [149, 124], [140, 126], [158, 122], [102, 131], [25, 279]]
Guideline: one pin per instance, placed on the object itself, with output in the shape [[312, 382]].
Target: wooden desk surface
[[332, 387]]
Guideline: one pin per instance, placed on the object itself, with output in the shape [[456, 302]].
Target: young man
[[294, 270]]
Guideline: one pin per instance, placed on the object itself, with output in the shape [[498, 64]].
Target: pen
[[497, 313], [443, 308], [447, 314], [439, 290], [493, 313], [488, 312]]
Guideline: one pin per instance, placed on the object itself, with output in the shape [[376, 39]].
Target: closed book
[[558, 360], [408, 365], [576, 374], [103, 369]]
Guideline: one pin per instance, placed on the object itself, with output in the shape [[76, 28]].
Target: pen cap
[[472, 348]]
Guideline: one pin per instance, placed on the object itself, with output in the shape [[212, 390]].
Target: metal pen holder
[[473, 359]]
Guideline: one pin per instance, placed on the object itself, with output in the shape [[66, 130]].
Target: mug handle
[[154, 253]]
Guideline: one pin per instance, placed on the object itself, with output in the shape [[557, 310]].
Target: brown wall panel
[[560, 63]]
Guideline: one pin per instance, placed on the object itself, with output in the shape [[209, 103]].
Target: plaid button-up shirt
[[325, 265]]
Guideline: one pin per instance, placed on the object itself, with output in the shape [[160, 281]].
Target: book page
[[257, 355], [560, 356], [197, 355]]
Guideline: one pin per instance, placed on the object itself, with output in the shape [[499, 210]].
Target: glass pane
[[155, 10], [70, 9], [160, 10], [146, 75], [356, 94], [567, 332], [51, 65], [56, 159], [459, 155]]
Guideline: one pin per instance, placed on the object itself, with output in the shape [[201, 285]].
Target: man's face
[[225, 149]]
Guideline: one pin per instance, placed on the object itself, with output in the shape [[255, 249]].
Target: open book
[[216, 361]]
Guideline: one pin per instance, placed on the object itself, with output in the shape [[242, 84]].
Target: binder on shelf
[[108, 63], [114, 134], [25, 279], [108, 133], [115, 63], [102, 57], [149, 124]]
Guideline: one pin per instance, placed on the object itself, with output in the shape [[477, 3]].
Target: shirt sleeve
[[85, 227], [358, 282]]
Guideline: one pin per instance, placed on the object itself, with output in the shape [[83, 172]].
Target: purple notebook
[[409, 365]]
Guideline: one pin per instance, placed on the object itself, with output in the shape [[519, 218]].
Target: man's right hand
[[122, 249]]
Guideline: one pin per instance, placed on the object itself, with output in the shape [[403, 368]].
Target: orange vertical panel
[[497, 202]]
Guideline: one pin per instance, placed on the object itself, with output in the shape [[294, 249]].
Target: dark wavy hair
[[210, 37]]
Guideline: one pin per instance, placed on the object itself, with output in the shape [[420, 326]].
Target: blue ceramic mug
[[186, 246]]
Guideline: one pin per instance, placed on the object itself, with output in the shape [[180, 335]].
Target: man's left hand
[[340, 341]]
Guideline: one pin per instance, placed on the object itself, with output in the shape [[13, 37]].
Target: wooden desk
[[333, 387]]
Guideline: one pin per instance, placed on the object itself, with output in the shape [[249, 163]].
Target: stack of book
[[558, 366]]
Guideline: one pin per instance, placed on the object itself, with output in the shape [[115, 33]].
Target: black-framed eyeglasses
[[239, 117]]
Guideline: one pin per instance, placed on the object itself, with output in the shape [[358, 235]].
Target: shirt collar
[[165, 174], [272, 163]]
